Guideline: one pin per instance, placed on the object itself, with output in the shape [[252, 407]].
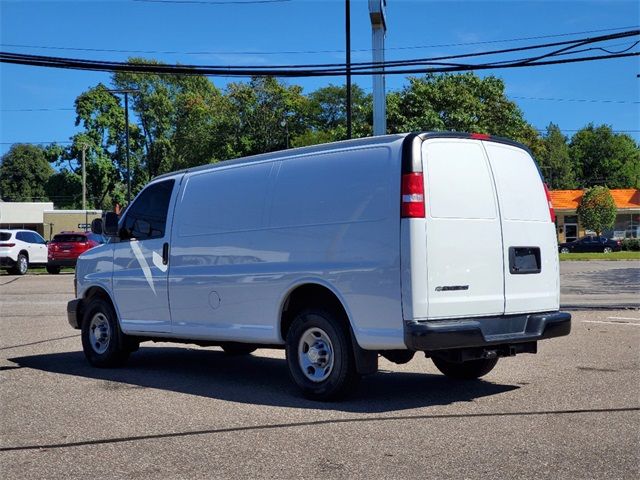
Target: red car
[[66, 247]]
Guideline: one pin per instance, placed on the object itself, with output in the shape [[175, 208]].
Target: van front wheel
[[319, 355], [103, 342], [465, 370]]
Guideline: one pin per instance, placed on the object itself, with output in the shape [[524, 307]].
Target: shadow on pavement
[[260, 380]]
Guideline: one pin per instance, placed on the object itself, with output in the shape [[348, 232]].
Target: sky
[[37, 103]]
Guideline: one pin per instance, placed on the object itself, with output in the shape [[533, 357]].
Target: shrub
[[631, 244]]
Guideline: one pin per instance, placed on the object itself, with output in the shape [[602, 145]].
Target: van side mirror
[[110, 224], [96, 226]]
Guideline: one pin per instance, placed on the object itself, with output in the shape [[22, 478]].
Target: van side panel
[[219, 275], [245, 236], [525, 223], [339, 216]]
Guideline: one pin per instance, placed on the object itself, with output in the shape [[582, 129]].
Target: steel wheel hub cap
[[99, 333], [315, 354]]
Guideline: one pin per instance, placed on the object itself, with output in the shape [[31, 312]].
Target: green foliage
[[102, 117], [631, 244], [555, 161], [180, 121], [65, 189], [23, 174], [603, 157], [463, 103], [328, 114], [597, 210]]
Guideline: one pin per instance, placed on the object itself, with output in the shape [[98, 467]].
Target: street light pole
[[378, 30]]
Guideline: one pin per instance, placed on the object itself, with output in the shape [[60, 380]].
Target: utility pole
[[84, 179], [347, 15], [126, 93], [126, 129], [378, 30]]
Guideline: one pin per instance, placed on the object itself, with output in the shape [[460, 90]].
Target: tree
[[597, 210], [24, 173], [264, 111], [604, 157], [65, 189], [101, 115], [328, 114], [460, 102], [555, 161], [184, 119]]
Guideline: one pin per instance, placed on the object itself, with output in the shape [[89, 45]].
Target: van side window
[[147, 216]]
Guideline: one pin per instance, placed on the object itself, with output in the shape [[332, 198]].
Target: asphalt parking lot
[[571, 411]]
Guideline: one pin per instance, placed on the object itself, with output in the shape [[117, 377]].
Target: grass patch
[[41, 271], [601, 256]]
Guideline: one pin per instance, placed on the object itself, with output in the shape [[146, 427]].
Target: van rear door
[[465, 263], [530, 251]]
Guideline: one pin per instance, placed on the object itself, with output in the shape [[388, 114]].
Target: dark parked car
[[591, 243], [66, 247]]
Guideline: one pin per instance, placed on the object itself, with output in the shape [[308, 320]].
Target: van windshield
[[4, 236]]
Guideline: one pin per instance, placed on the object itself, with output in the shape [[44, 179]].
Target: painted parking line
[[613, 322], [624, 318]]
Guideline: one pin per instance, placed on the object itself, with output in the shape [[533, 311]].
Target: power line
[[573, 100], [432, 65], [296, 52], [38, 143], [214, 2], [36, 109]]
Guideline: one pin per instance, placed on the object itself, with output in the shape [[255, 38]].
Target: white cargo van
[[438, 242]]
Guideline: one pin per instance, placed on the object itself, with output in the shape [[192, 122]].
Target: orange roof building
[[565, 203]]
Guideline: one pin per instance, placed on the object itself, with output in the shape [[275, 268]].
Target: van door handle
[[165, 253]]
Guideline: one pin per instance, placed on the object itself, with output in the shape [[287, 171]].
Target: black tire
[[238, 349], [103, 342], [607, 250], [22, 265], [565, 250], [341, 376], [53, 270], [466, 370]]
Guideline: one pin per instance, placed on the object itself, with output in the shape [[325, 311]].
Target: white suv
[[21, 248]]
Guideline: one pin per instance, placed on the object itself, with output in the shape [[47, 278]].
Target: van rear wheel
[[465, 370], [319, 355]]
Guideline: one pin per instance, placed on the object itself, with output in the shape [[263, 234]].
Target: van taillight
[[7, 245], [552, 212], [412, 195], [480, 136]]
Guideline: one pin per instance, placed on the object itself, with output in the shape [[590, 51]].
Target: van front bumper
[[434, 335]]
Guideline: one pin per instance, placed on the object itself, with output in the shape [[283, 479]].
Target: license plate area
[[524, 260]]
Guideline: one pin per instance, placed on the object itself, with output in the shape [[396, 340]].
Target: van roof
[[358, 142]]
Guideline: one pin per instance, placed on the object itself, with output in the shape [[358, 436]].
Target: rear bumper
[[7, 262], [72, 313], [437, 335], [62, 262]]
